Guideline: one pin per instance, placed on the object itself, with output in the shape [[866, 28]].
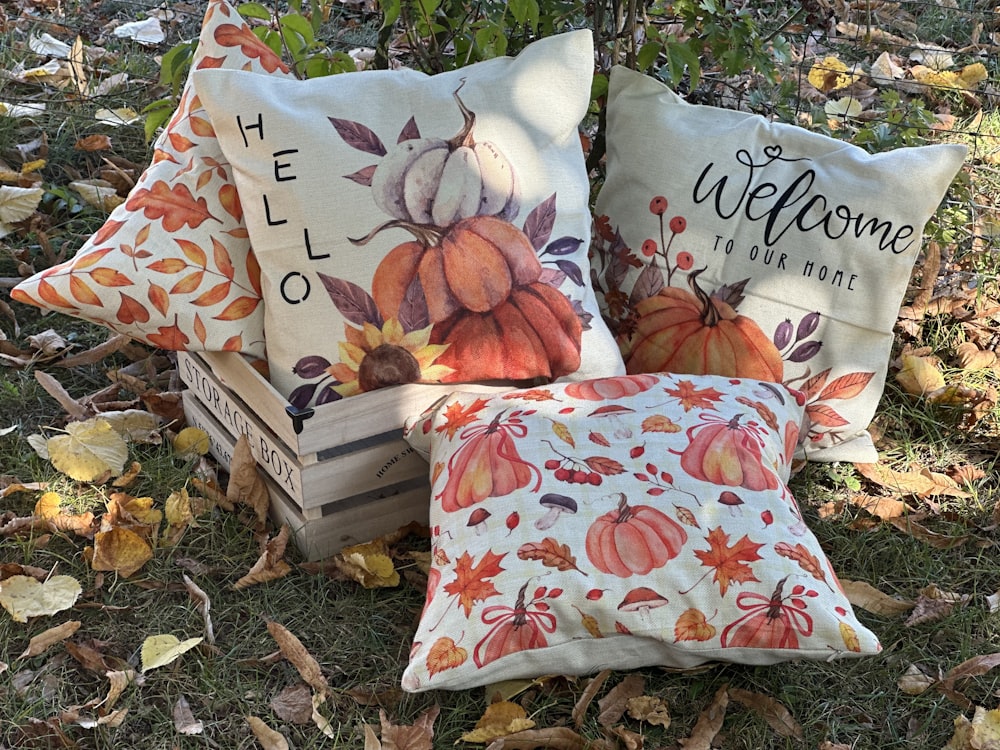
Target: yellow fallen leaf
[[25, 597], [49, 505], [972, 74], [89, 450], [179, 515], [161, 650], [45, 640], [191, 441], [245, 483], [919, 375], [121, 550], [135, 425], [369, 564], [500, 719], [915, 681], [17, 203], [830, 74], [846, 106], [986, 729]]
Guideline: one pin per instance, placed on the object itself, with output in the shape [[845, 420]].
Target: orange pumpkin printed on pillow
[[469, 297], [675, 542], [173, 266]]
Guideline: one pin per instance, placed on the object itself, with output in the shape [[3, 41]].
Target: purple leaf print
[[553, 277], [363, 176], [409, 132], [562, 246], [731, 294], [358, 136], [648, 284], [538, 225], [413, 313], [353, 302], [572, 270]]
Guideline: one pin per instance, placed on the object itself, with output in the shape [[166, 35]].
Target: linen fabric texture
[[618, 523], [415, 228], [173, 266], [732, 245]]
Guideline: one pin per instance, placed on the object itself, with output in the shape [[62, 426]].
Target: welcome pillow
[[173, 266], [620, 522], [415, 228], [732, 245]]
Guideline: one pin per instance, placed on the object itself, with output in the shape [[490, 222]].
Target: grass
[[361, 637]]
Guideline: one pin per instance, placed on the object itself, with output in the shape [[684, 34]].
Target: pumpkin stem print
[[468, 282], [633, 539]]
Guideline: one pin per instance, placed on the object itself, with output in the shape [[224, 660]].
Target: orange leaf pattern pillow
[[173, 266], [621, 522]]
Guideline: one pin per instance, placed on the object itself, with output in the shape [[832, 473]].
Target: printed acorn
[[438, 181]]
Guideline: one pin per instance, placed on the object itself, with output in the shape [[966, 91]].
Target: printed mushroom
[[556, 505], [733, 500], [612, 413], [642, 600], [477, 520]]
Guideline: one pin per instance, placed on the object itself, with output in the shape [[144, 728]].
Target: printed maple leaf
[[457, 416], [471, 582], [728, 562], [694, 398]]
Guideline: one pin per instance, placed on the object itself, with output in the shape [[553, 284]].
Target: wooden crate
[[341, 471]]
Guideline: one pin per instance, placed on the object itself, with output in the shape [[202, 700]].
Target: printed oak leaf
[[550, 553], [660, 423], [692, 625], [174, 206], [728, 562], [444, 654], [457, 416], [691, 397], [472, 582]]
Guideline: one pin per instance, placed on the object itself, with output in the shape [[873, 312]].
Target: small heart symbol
[[772, 152]]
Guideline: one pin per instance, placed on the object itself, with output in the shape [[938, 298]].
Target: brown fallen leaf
[[916, 680], [55, 389], [120, 550], [416, 736], [613, 704], [245, 482], [96, 353], [974, 667], [911, 482], [709, 722], [268, 738], [293, 650], [971, 357], [881, 507], [556, 738], [583, 702], [627, 739], [499, 720], [293, 704], [910, 525], [271, 564], [45, 640], [369, 564], [772, 711], [866, 596], [933, 604], [650, 709]]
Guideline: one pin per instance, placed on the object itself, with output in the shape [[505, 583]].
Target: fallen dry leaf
[[880, 507], [613, 704], [300, 658], [974, 667], [88, 451], [499, 720], [919, 376], [920, 483], [866, 596], [293, 704], [369, 564], [778, 717], [916, 680], [159, 650], [119, 680], [184, 721], [245, 482], [933, 604], [982, 733], [322, 723], [203, 604], [45, 640], [267, 737], [416, 736], [556, 738], [583, 702], [121, 550], [971, 357], [24, 596], [191, 442], [911, 526], [709, 722], [271, 564], [650, 709]]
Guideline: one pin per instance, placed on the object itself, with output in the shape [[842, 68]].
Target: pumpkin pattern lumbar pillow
[[415, 228], [173, 266], [732, 245], [618, 523]]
